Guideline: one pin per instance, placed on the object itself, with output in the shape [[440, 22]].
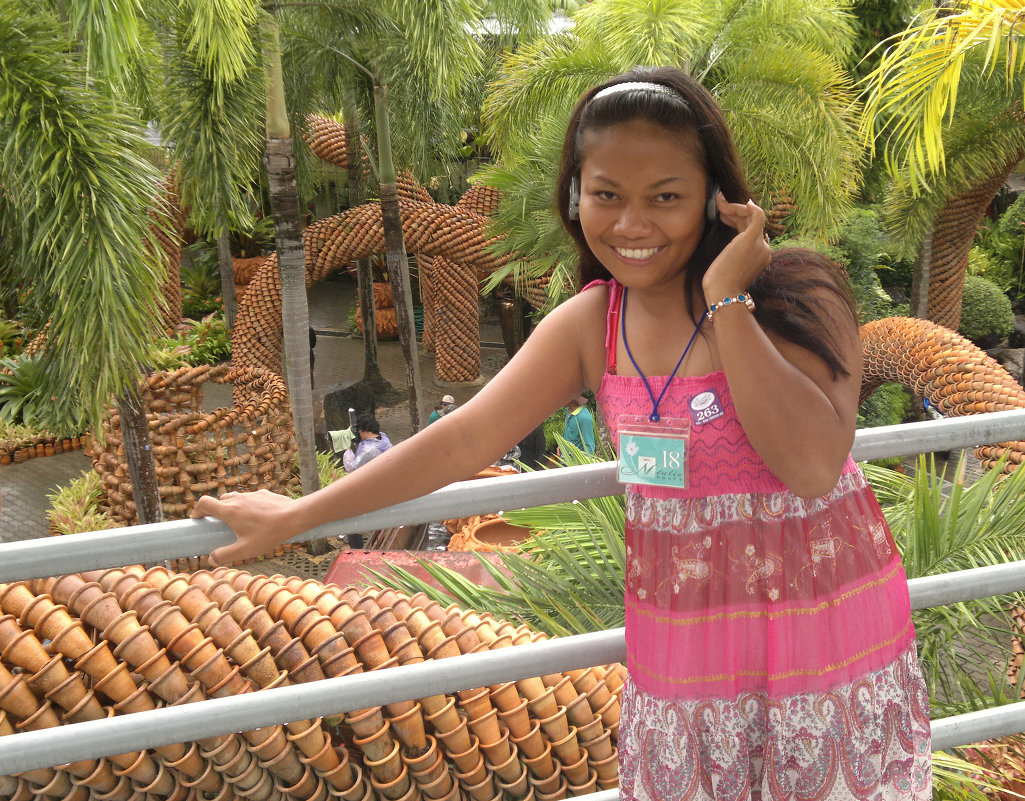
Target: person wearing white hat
[[446, 405]]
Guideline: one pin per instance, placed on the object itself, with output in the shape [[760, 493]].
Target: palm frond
[[78, 202], [979, 140], [219, 38], [943, 527], [539, 82], [216, 134], [916, 85], [569, 577], [794, 119]]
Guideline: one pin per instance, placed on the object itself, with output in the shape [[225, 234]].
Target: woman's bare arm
[[547, 371]]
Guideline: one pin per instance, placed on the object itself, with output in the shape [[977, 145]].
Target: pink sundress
[[770, 647]]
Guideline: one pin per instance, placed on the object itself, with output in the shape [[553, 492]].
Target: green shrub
[[201, 280], [1004, 243], [889, 405], [204, 341], [986, 314], [895, 273], [11, 337], [22, 399], [76, 507]]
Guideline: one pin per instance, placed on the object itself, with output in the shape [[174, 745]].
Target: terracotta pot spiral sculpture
[[87, 646], [955, 375]]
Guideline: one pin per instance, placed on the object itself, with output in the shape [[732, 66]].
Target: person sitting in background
[[578, 429], [447, 404], [371, 444]]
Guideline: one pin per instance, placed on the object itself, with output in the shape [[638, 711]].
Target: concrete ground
[[339, 359]]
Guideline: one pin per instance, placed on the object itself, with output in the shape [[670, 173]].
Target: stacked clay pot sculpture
[[87, 646]]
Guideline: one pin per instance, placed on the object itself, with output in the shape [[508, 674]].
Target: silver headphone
[[573, 206]]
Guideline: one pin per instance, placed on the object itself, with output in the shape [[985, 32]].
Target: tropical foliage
[[569, 578], [78, 202], [775, 67], [203, 341], [943, 526], [76, 507]]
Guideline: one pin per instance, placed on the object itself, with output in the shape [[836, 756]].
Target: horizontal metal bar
[[966, 585], [938, 435], [152, 543], [176, 724], [974, 727]]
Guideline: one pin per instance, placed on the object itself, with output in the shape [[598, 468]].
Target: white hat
[[447, 399]]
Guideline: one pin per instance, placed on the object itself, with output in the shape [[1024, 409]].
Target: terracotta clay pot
[[608, 768], [467, 761], [387, 769], [591, 729], [567, 749], [447, 720], [556, 727], [505, 696], [475, 777], [457, 740], [378, 747], [577, 772], [579, 711], [417, 763], [508, 768], [600, 747], [557, 792], [499, 751], [517, 720], [541, 766], [531, 744], [409, 727], [486, 727], [443, 787], [565, 692]]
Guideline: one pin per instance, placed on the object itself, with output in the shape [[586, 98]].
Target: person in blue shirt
[[448, 404], [578, 428]]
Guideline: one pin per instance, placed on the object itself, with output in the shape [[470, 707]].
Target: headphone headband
[[638, 86]]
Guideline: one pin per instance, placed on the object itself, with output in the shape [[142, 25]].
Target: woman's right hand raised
[[261, 521]]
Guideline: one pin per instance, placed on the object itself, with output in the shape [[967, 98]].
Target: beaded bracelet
[[741, 298]]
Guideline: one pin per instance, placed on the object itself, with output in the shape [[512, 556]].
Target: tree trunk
[[284, 201], [364, 273], [953, 232], [395, 251], [227, 270], [920, 279], [139, 454]]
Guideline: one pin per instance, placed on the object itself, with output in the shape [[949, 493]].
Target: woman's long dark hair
[[788, 294]]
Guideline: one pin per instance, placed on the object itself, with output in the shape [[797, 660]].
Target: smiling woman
[[764, 595]]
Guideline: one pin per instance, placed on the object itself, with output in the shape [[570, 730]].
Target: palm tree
[[75, 211], [948, 84], [775, 67], [409, 66]]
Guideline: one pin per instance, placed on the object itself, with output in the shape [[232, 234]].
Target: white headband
[[640, 86]]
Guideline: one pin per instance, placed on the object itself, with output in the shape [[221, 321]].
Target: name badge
[[653, 453], [705, 407]]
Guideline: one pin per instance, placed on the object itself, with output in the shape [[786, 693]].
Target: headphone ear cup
[[711, 211], [573, 212]]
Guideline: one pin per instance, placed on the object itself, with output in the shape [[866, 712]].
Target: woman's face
[[643, 196]]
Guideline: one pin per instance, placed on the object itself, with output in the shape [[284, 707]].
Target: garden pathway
[[339, 359]]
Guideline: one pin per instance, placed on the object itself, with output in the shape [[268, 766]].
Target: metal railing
[[40, 558]]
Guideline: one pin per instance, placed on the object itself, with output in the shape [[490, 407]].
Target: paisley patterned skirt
[[771, 652]]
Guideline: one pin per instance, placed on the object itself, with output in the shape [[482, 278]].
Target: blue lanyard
[[654, 416]]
